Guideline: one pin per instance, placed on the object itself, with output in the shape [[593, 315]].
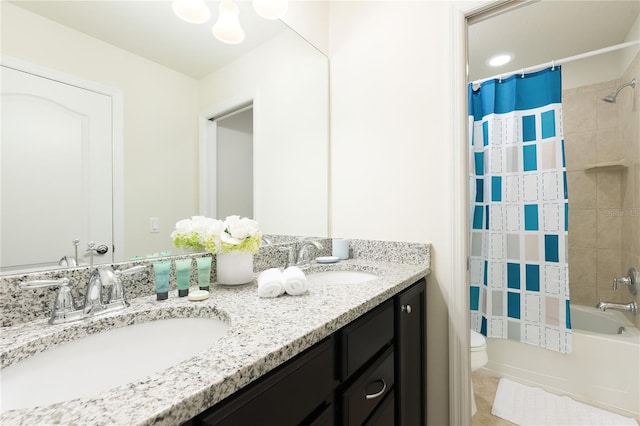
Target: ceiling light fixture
[[192, 11], [227, 28], [271, 9], [500, 60]]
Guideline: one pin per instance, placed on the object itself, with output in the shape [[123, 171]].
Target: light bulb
[[271, 9], [227, 28], [192, 11], [500, 60]]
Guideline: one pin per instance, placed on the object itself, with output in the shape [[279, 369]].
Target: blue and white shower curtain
[[519, 287]]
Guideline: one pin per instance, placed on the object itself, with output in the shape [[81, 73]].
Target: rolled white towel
[[295, 281], [270, 283]]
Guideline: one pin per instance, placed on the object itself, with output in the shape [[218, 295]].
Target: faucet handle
[[117, 294], [45, 283], [632, 280], [620, 280], [131, 271], [64, 304]]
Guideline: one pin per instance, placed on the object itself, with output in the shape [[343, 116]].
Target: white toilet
[[478, 359]]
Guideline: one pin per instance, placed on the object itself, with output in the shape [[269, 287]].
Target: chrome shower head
[[611, 97]]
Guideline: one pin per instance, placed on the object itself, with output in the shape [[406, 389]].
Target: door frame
[[117, 135]]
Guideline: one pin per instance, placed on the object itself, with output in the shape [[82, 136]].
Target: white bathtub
[[603, 370]]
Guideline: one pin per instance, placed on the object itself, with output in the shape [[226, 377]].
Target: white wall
[[310, 19], [160, 119], [391, 137], [289, 92]]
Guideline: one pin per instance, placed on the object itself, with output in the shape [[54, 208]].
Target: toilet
[[479, 358]]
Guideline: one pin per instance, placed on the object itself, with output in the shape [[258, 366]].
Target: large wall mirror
[[171, 78]]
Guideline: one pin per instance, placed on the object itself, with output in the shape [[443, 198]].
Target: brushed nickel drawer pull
[[377, 394]]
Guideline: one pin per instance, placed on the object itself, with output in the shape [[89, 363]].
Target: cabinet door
[[411, 351], [325, 417], [287, 396]]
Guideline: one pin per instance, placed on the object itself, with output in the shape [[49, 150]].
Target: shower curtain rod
[[560, 61]]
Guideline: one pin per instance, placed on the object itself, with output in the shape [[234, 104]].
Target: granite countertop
[[263, 334]]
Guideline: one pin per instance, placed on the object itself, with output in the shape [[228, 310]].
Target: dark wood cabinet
[[298, 392], [370, 372], [411, 355]]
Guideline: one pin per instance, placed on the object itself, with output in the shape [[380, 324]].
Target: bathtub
[[603, 369]]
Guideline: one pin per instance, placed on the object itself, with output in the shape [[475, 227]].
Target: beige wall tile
[[609, 229], [609, 146], [582, 190], [614, 131], [609, 265], [580, 149], [582, 267], [582, 227], [604, 86], [630, 187], [579, 112], [614, 296], [608, 190], [630, 231], [586, 296]]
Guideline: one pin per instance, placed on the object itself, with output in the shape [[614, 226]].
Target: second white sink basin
[[340, 277], [105, 360]]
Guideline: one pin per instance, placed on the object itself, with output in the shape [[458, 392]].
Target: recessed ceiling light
[[499, 60]]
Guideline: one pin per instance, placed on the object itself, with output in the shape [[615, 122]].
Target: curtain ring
[[500, 79], [553, 65], [522, 76]]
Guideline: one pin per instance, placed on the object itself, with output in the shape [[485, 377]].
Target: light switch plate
[[154, 225]]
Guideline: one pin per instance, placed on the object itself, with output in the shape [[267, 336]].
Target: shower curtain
[[519, 287]]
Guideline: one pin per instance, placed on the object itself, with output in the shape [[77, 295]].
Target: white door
[[56, 171]]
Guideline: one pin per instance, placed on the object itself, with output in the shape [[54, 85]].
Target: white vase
[[234, 268]]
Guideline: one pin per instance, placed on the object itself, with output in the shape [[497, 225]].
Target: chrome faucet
[[631, 306], [302, 261], [65, 309], [632, 281]]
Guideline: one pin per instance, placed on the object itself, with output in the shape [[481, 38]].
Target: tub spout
[[631, 306]]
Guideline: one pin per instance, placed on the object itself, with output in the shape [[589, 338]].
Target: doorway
[[230, 138]]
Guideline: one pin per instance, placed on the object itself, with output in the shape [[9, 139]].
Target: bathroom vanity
[[372, 371], [341, 354]]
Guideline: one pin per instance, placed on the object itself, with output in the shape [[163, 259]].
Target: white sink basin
[[340, 277], [105, 360]]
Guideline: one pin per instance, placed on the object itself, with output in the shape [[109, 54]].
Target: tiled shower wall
[[604, 205]]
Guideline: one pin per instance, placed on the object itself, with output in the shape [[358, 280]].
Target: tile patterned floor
[[485, 387]]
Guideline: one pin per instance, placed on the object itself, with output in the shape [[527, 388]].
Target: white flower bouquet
[[218, 236]]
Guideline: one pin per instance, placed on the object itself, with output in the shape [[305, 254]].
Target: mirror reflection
[[166, 80]]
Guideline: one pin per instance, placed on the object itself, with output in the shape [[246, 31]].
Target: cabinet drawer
[[367, 392], [285, 397], [365, 337], [385, 414]]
